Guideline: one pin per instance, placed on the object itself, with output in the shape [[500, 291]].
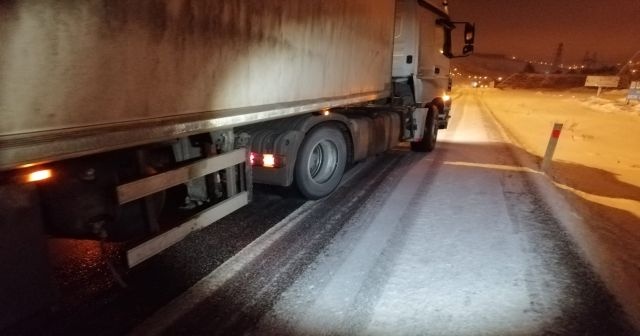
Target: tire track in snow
[[362, 309], [345, 289]]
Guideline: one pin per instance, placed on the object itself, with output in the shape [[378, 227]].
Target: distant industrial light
[[446, 97], [326, 112]]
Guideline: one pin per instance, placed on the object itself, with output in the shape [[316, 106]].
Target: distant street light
[[629, 64]]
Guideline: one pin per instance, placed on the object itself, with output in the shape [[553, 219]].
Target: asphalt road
[[456, 242]]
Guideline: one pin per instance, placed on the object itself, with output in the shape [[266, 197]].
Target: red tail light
[[266, 160]]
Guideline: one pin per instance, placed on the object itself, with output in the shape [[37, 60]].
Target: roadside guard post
[[634, 92], [551, 147]]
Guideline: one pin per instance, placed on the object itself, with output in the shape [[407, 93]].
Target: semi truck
[[143, 121]]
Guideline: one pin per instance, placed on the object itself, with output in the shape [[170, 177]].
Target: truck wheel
[[428, 142], [321, 162]]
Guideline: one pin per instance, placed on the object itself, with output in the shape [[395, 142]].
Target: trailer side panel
[[76, 67]]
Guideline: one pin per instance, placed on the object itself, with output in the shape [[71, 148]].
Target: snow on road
[[597, 166], [460, 244], [457, 242]]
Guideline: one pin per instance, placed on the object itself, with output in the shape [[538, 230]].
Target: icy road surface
[[456, 242]]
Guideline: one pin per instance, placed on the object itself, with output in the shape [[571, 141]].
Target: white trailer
[[114, 113]]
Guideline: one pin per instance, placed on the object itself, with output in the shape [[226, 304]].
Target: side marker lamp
[[39, 175], [266, 160]]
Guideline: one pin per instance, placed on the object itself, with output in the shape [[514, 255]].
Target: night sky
[[532, 29]]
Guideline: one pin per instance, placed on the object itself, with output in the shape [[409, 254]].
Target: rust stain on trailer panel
[[84, 63]]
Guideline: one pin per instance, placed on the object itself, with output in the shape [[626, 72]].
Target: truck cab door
[[405, 43], [432, 76]]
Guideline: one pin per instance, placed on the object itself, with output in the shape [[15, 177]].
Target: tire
[[321, 162], [428, 142]]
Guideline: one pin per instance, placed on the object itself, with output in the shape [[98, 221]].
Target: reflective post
[[551, 146]]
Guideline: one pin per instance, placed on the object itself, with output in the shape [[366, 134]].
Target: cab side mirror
[[469, 37], [469, 33], [467, 50], [467, 40]]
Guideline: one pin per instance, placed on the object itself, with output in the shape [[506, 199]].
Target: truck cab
[[422, 53]]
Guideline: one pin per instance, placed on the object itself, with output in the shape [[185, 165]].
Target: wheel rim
[[323, 161]]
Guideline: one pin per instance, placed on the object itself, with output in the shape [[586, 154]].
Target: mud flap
[[420, 120], [26, 285]]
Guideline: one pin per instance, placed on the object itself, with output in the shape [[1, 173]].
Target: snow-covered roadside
[[610, 101], [597, 152], [597, 169]]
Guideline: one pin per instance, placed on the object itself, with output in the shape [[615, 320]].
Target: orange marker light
[[39, 175]]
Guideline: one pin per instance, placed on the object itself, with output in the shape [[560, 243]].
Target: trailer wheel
[[321, 162], [428, 142]]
